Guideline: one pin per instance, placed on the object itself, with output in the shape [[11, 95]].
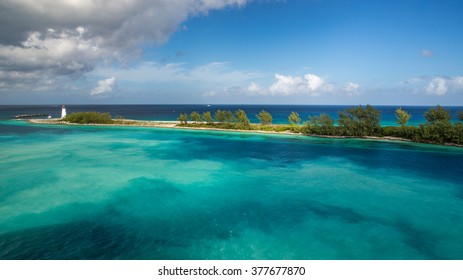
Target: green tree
[[194, 116], [242, 119], [208, 118], [264, 117], [183, 118], [437, 115], [89, 118], [224, 116], [220, 115], [229, 117], [438, 128], [294, 118], [457, 138], [321, 125], [360, 121], [326, 123], [402, 116]]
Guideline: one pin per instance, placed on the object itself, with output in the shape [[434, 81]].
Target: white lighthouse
[[63, 112]]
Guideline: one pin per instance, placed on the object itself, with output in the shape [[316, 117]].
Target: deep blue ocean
[[96, 192]]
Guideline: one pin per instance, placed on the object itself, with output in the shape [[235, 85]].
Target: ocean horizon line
[[223, 104]]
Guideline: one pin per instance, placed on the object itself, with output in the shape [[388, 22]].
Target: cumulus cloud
[[40, 62], [69, 38], [309, 84], [435, 85], [351, 88], [118, 24], [254, 88], [104, 86], [287, 85], [314, 83], [59, 53]]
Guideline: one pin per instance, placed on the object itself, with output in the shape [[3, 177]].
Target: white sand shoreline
[[156, 124]]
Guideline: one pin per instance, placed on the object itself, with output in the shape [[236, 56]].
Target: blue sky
[[233, 51]]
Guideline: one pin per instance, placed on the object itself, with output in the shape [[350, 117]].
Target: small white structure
[[63, 112]]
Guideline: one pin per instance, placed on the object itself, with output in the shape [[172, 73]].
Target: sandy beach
[[158, 124]]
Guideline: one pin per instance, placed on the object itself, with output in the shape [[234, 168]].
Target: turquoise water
[[143, 193]]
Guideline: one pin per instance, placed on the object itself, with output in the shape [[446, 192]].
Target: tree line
[[357, 121], [89, 118]]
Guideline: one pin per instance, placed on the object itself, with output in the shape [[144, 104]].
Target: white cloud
[[352, 88], [435, 85], [287, 85], [104, 86], [116, 24], [44, 57], [254, 88], [70, 38], [314, 82], [59, 53], [310, 84]]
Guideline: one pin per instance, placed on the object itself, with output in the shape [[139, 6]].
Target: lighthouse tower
[[63, 112]]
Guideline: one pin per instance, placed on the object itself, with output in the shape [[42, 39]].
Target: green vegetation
[[438, 128], [294, 118], [89, 118], [437, 115], [194, 116], [238, 120], [242, 120], [265, 117], [360, 121], [220, 116], [208, 118], [321, 125], [183, 118], [224, 116], [402, 116]]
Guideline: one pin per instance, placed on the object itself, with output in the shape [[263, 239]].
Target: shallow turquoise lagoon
[[143, 193]]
